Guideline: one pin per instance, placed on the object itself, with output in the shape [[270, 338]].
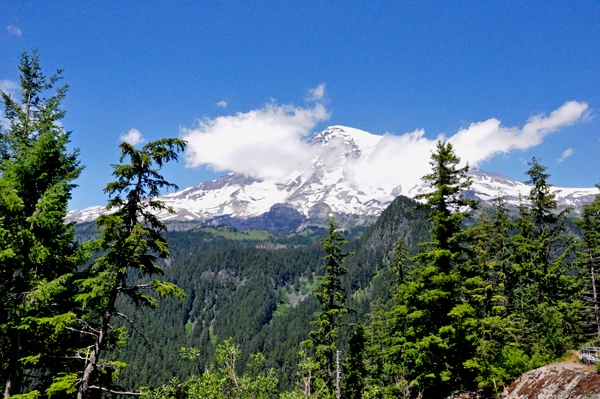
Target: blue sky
[[387, 67]]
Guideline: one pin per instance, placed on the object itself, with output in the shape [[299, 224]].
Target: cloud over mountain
[[410, 152], [270, 143], [266, 143], [481, 141]]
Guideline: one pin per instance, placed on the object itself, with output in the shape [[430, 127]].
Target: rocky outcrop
[[556, 381]]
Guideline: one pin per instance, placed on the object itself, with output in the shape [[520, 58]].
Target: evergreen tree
[[330, 294], [590, 256], [398, 266], [131, 241], [437, 330], [547, 298], [491, 260], [355, 371], [386, 371], [38, 251], [544, 229], [487, 286]]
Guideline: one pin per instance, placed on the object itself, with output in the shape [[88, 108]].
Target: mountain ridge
[[309, 195]]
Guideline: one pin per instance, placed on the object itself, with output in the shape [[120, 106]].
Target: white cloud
[[9, 87], [269, 143], [222, 104], [405, 159], [317, 93], [395, 160], [567, 153], [482, 140], [133, 137], [13, 31], [265, 143]]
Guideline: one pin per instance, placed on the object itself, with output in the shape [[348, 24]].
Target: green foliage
[[29, 395], [309, 385], [486, 286], [543, 247], [131, 241], [330, 294], [484, 304], [234, 289], [589, 257], [436, 336], [547, 297], [63, 383], [225, 382], [38, 252], [354, 368], [398, 266]]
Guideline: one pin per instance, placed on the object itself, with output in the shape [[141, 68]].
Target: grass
[[571, 356], [306, 287], [282, 310], [213, 337], [235, 234]]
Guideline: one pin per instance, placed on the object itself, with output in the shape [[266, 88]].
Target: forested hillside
[[262, 298]]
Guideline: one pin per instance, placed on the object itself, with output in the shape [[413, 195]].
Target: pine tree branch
[[134, 327]]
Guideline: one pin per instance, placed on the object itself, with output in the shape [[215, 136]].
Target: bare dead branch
[[80, 331], [134, 327], [116, 392]]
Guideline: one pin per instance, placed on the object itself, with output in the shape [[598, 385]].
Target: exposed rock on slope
[[556, 381]]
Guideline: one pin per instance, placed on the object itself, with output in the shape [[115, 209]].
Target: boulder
[[556, 381]]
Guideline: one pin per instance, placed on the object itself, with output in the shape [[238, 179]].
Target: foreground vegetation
[[436, 297]]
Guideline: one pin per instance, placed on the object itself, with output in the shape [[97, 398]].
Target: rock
[[556, 381]]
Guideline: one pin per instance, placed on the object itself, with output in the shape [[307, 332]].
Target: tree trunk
[[13, 384], [90, 367], [338, 375], [596, 315]]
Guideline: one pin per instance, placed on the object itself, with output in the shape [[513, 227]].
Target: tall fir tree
[[355, 372], [398, 266], [437, 332], [386, 372], [330, 294], [547, 298], [543, 226], [487, 286], [131, 242], [589, 257], [39, 254]]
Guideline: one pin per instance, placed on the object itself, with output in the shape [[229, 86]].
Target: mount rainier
[[309, 195]]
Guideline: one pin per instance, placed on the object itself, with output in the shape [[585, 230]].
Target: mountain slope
[[309, 195], [262, 298]]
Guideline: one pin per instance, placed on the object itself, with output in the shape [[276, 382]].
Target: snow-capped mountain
[[310, 194]]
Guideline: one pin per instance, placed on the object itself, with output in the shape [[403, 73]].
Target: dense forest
[[440, 295]]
